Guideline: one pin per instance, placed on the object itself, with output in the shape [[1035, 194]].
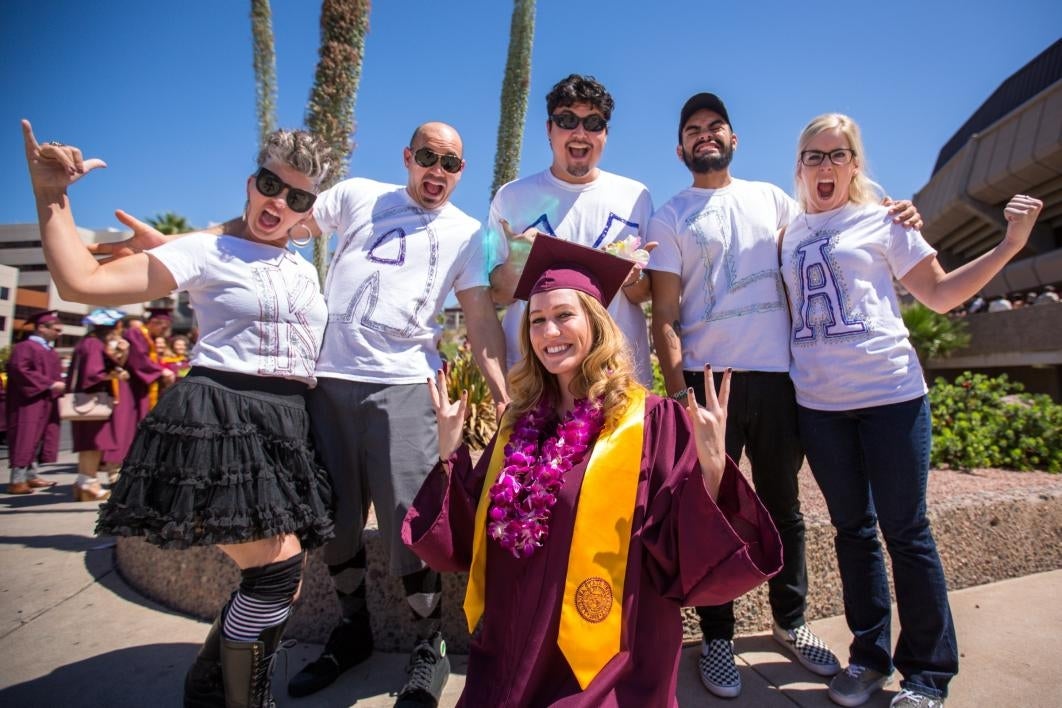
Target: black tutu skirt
[[223, 458]]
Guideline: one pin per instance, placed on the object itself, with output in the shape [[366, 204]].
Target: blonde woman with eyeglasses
[[862, 404]]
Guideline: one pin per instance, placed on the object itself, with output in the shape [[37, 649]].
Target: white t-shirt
[[849, 344], [723, 244], [595, 214], [259, 307], [395, 263]]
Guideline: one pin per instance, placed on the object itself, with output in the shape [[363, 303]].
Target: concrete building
[[1011, 145], [33, 288]]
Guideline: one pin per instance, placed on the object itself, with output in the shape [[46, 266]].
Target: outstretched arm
[[941, 291], [487, 340], [78, 276]]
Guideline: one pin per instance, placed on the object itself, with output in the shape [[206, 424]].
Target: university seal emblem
[[593, 599]]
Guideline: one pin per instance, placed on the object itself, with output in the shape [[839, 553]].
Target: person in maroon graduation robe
[[697, 535], [145, 370], [97, 366], [34, 385]]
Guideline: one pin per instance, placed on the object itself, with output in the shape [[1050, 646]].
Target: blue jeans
[[872, 465]]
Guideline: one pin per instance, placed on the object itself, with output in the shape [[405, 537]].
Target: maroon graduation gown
[[142, 371], [686, 549], [89, 370], [32, 407]]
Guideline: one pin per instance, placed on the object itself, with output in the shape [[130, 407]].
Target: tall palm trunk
[[330, 112], [265, 68], [514, 94]]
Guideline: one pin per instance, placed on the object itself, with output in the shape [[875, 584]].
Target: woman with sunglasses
[[862, 405], [597, 511], [224, 458]]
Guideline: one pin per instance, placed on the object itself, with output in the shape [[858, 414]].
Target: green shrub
[[980, 421]]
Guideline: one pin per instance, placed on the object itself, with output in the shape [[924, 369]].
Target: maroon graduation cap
[[555, 264], [43, 317]]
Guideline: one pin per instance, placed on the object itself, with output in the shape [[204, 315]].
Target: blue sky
[[164, 92]]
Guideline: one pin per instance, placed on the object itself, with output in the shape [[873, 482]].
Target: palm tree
[[514, 94], [330, 112], [170, 223], [265, 67]]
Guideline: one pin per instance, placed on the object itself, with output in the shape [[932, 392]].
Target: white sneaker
[[907, 698], [719, 674], [808, 649]]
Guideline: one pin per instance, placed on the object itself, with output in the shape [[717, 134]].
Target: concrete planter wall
[[982, 539]]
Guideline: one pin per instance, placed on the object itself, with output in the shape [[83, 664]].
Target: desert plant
[[932, 334], [462, 374]]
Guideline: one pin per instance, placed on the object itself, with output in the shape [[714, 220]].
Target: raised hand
[[1021, 213], [709, 428], [145, 236], [53, 167], [450, 416], [519, 243]]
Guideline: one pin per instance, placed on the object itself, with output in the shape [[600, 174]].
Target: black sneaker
[[349, 644], [428, 669]]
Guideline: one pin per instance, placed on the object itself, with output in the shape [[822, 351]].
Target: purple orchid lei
[[522, 498]]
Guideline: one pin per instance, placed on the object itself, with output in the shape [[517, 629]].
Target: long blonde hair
[[606, 374], [862, 189]]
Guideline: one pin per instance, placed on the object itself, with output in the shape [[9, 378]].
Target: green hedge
[[980, 421]]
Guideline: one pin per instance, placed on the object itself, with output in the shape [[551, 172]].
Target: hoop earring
[[303, 242]]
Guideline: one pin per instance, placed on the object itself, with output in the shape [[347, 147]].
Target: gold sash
[[153, 387], [591, 618]]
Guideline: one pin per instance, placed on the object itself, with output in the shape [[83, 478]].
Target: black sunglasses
[[426, 157], [593, 123], [269, 185]]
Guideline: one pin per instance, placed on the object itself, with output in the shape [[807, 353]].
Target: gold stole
[[153, 387], [591, 620]]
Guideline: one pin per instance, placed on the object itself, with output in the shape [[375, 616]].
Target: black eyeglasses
[[269, 185], [814, 158], [593, 123], [426, 157]]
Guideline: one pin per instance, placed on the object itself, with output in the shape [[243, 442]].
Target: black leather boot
[[203, 687], [245, 668], [349, 644]]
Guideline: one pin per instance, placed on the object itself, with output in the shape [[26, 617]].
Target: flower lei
[[522, 498]]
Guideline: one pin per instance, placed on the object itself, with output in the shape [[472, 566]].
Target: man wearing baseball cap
[[717, 299], [34, 385]]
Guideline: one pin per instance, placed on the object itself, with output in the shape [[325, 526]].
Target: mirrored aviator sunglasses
[[426, 157], [270, 185]]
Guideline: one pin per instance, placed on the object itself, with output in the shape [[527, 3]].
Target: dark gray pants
[[378, 442]]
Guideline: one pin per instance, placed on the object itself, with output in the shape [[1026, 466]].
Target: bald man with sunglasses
[[401, 250]]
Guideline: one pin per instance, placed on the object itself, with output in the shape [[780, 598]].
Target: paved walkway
[[73, 633]]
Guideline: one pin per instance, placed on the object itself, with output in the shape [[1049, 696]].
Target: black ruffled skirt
[[223, 458]]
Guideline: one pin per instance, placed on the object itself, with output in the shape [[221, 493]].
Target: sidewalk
[[72, 632]]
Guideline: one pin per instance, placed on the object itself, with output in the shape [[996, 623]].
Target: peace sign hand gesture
[[450, 416], [709, 428]]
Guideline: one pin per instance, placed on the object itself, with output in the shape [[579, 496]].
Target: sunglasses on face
[[425, 157], [814, 158], [592, 123], [269, 185]]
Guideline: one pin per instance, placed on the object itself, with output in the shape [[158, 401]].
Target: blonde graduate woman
[[596, 513]]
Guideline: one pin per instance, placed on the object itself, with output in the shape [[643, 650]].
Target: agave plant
[[933, 335], [462, 374]]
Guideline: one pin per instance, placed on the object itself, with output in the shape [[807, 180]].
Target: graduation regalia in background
[[33, 372]]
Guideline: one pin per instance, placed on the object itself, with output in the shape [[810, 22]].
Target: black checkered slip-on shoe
[[808, 649], [719, 674]]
